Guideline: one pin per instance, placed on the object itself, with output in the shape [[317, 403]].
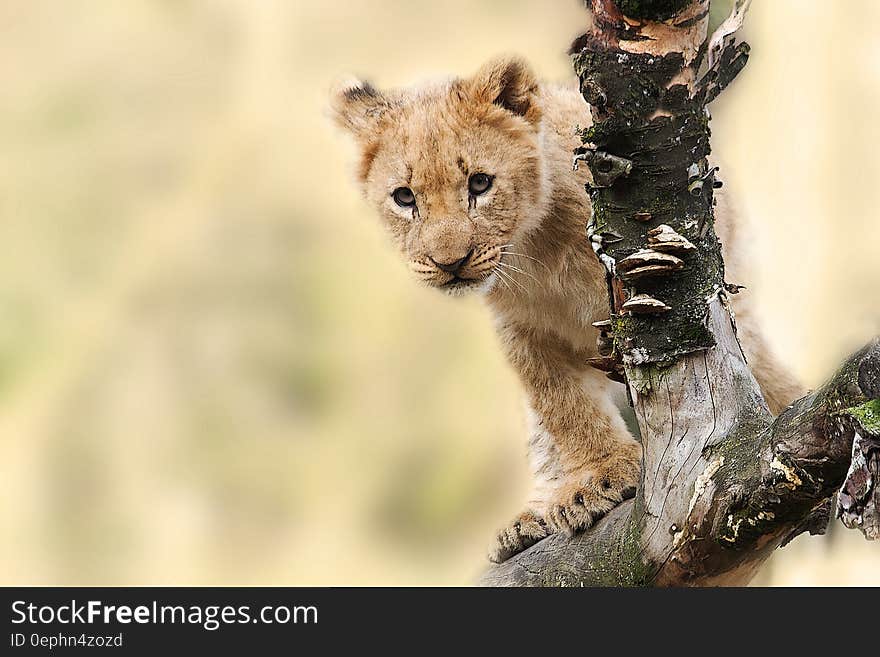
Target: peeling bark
[[858, 503], [724, 484]]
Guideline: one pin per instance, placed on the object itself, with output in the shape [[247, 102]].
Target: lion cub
[[473, 177]]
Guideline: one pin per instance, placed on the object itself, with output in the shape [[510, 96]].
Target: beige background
[[212, 367]]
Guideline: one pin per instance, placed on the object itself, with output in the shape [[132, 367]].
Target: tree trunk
[[723, 483]]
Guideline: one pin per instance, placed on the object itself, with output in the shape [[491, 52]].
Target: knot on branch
[[701, 178], [604, 167]]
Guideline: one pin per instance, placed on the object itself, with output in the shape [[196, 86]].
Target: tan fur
[[530, 258]]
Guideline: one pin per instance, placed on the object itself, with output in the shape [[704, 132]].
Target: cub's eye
[[480, 183], [404, 197]]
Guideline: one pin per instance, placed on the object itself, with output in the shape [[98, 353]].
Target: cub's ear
[[510, 84], [356, 106]]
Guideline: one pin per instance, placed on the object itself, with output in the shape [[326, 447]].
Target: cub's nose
[[453, 267]]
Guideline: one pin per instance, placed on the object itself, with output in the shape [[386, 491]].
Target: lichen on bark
[[645, 116]]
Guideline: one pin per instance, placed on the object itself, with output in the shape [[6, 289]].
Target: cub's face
[[454, 170]]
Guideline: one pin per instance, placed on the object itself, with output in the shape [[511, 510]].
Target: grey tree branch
[[723, 483]]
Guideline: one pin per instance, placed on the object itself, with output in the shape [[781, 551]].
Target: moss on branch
[[653, 10], [868, 416]]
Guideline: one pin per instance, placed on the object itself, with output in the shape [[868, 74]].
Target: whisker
[[506, 284], [524, 273], [512, 280], [523, 255]]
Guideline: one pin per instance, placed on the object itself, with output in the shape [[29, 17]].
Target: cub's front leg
[[584, 460]]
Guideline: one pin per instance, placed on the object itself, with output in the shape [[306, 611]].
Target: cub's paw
[[526, 529], [578, 506]]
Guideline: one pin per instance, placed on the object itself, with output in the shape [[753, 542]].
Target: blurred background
[[213, 370]]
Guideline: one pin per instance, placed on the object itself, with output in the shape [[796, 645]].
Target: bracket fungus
[[644, 304], [648, 262], [665, 240]]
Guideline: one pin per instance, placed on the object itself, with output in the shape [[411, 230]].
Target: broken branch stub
[[858, 502]]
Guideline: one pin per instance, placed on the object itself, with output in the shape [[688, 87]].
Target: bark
[[724, 484]]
